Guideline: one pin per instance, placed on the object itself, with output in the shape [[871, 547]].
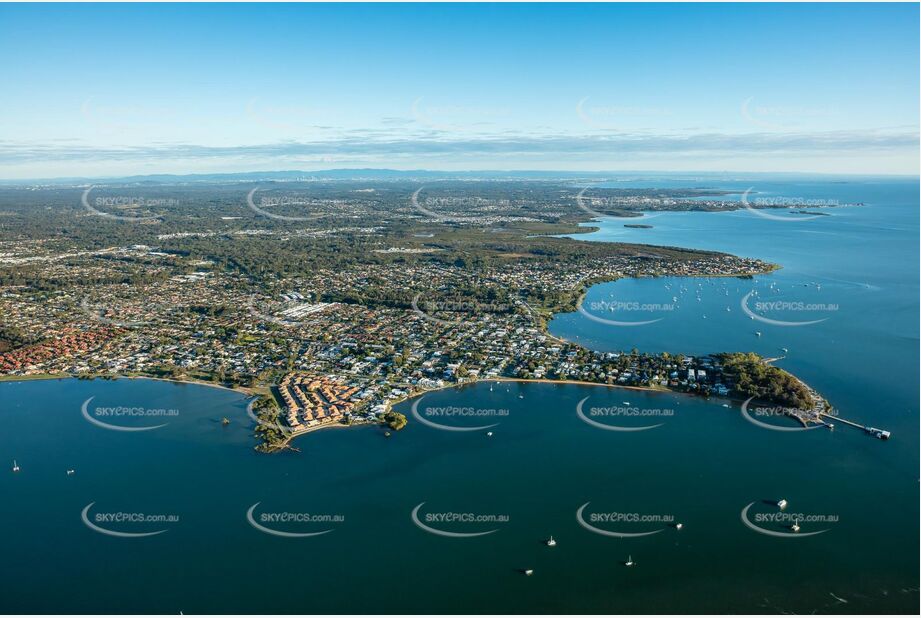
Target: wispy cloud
[[374, 144]]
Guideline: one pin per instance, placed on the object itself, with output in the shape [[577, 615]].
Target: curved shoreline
[[245, 390], [544, 325]]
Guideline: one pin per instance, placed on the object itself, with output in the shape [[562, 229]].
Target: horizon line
[[397, 171]]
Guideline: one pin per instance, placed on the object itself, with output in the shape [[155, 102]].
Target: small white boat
[[629, 562], [551, 542], [626, 403], [529, 572], [71, 472], [784, 350], [758, 333], [15, 466], [782, 504], [795, 526], [679, 526], [488, 434]]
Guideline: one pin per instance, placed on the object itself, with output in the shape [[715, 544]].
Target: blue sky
[[99, 90]]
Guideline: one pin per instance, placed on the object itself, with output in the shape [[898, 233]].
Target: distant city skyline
[[117, 90]]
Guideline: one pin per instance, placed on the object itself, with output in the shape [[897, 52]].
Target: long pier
[[882, 434], [818, 416]]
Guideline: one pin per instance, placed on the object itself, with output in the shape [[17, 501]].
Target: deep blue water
[[701, 466]]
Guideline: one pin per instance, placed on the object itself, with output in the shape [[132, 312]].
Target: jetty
[[880, 434], [823, 414]]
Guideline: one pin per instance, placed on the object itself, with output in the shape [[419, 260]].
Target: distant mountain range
[[407, 175]]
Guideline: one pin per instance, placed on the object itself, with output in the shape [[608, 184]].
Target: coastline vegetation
[[394, 420], [756, 378]]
